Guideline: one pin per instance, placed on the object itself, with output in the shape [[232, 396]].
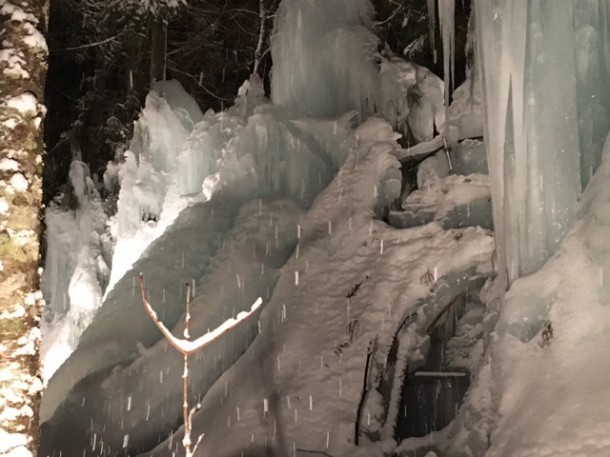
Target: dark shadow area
[[433, 394]]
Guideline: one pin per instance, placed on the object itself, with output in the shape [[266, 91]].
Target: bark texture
[[23, 63]]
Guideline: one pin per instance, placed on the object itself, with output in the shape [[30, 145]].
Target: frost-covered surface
[[465, 349], [23, 57], [172, 164], [465, 114], [351, 279], [145, 176], [250, 95], [232, 161]]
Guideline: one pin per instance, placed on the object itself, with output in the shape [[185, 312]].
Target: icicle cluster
[[546, 118]]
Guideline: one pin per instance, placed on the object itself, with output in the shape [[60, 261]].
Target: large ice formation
[[231, 161], [78, 252], [412, 98], [324, 58], [546, 118]]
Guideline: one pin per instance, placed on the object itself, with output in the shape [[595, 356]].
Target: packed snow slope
[[144, 398], [352, 280]]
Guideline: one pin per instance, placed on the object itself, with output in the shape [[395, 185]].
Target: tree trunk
[[262, 35], [158, 48], [23, 72]]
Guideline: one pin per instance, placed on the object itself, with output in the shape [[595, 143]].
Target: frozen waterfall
[[546, 111], [327, 67]]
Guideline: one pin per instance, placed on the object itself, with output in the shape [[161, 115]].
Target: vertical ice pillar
[[526, 51], [592, 42], [446, 17], [323, 58]]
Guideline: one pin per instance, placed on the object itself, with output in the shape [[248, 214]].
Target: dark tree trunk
[[158, 50]]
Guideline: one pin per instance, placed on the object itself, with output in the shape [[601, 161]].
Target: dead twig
[[186, 347]]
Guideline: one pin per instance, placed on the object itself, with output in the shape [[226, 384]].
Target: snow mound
[[566, 376], [351, 280]]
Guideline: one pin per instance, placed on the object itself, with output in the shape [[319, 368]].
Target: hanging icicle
[[446, 17], [432, 23]]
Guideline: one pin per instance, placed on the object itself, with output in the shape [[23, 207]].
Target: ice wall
[[323, 57], [543, 143], [592, 47], [76, 270], [250, 150]]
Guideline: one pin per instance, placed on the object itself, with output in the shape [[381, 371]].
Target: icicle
[[446, 16], [432, 22]]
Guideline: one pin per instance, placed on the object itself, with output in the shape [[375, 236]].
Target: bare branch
[[95, 44], [191, 346], [187, 347], [153, 315], [197, 443], [198, 82]]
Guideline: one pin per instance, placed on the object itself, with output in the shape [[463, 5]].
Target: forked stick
[[186, 347]]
